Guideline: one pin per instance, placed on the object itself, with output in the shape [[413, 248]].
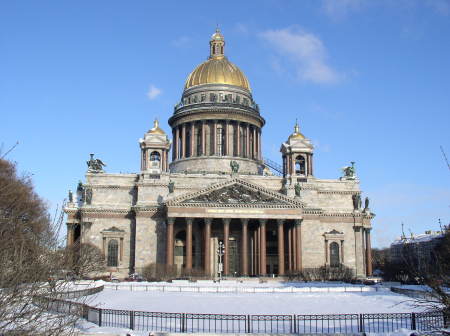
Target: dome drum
[[215, 165], [212, 111], [218, 95]]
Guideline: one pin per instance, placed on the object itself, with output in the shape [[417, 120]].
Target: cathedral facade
[[208, 195]]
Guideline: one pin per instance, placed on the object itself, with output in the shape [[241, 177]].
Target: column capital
[[226, 221], [298, 222], [170, 220], [71, 226], [280, 221], [189, 220], [208, 221], [262, 222], [244, 221]]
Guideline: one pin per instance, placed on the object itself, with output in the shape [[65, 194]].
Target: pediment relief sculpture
[[235, 194]]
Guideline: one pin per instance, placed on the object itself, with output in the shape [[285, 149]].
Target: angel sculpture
[[349, 171], [95, 165]]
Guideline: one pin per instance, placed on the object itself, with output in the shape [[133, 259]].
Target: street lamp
[[220, 252]]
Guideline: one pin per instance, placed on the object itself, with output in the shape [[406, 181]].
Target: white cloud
[[241, 28], [338, 9], [153, 92], [440, 6], [181, 41], [306, 51]]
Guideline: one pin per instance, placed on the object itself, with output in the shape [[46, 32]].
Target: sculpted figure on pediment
[[234, 194]]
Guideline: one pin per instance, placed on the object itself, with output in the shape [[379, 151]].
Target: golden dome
[[297, 134], [156, 129], [217, 69]]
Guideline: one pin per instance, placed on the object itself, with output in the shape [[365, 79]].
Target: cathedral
[[206, 199]]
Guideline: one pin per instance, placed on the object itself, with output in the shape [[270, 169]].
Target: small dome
[[297, 134], [217, 36], [156, 129], [217, 69]]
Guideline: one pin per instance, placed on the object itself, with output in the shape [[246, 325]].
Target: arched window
[[113, 253], [300, 166], [155, 156], [334, 255]]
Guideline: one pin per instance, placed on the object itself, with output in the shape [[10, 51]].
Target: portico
[[261, 232], [249, 239]]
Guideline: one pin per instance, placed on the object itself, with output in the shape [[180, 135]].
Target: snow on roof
[[420, 238]]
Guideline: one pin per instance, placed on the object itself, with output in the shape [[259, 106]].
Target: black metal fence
[[268, 324]]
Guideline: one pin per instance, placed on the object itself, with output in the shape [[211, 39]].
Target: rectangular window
[[220, 140]]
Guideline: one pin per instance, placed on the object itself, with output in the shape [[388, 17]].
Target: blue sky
[[369, 82]]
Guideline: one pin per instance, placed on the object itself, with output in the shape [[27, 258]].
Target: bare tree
[[84, 260], [427, 267], [28, 241]]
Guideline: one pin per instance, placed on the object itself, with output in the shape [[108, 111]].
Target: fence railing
[[238, 289], [417, 294], [76, 293], [236, 323]]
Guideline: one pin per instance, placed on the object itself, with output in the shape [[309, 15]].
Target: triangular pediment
[[235, 192]]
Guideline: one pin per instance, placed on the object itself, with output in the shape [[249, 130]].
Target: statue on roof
[[349, 172], [95, 165], [234, 167], [298, 189], [356, 201]]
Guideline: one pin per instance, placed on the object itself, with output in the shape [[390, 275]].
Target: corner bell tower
[[155, 148], [297, 154]]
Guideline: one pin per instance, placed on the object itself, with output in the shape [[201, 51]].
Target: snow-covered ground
[[253, 303]]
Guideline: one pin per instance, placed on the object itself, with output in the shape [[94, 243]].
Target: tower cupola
[[155, 148], [297, 154]]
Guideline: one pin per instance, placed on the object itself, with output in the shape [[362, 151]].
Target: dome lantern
[[217, 69], [217, 45]]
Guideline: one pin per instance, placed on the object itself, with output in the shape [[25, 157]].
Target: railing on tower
[[273, 166]]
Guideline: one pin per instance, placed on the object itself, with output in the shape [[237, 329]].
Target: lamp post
[[220, 253]]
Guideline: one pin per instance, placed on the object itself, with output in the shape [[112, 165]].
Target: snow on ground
[[253, 303]]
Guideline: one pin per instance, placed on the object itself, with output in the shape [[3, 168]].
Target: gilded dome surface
[[297, 134], [217, 69], [156, 129]]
